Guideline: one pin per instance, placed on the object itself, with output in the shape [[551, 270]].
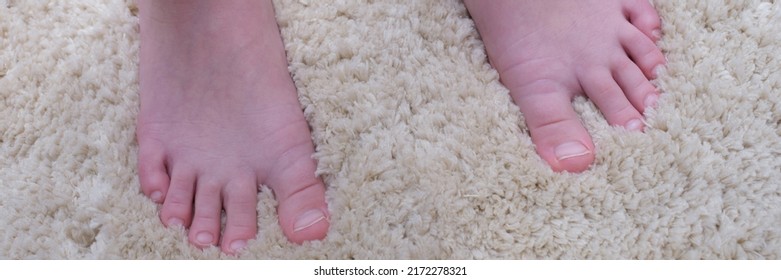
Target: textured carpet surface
[[424, 154]]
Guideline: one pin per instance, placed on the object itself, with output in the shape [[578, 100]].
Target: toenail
[[634, 125], [650, 100], [308, 219], [156, 196], [175, 222], [658, 70], [237, 245], [657, 34], [204, 238], [570, 150]]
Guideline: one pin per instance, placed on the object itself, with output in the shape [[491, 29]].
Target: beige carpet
[[423, 152]]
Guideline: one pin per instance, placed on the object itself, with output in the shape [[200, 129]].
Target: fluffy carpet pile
[[424, 153]]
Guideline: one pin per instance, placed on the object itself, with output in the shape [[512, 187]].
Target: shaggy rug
[[424, 154]]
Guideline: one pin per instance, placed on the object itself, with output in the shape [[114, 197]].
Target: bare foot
[[548, 51], [220, 115]]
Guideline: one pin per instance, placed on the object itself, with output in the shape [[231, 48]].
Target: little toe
[[178, 205], [205, 228], [240, 203], [640, 92], [642, 51], [559, 137], [603, 90], [643, 15], [152, 172]]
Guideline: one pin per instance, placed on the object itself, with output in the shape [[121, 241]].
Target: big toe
[[565, 145], [643, 15], [559, 137], [304, 215]]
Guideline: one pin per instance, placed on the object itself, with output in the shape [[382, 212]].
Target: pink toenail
[[657, 34], [570, 150], [634, 125], [650, 100], [156, 196], [238, 245], [658, 70], [308, 219], [175, 222], [204, 238]]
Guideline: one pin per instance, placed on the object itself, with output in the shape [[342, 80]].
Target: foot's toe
[[642, 50], [643, 15], [558, 134], [640, 92], [205, 228], [240, 200], [178, 205], [603, 90], [303, 215], [152, 172]]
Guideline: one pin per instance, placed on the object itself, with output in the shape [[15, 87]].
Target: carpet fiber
[[424, 154]]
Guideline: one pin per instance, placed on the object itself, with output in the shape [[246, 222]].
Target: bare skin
[[220, 115], [219, 112], [549, 51]]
